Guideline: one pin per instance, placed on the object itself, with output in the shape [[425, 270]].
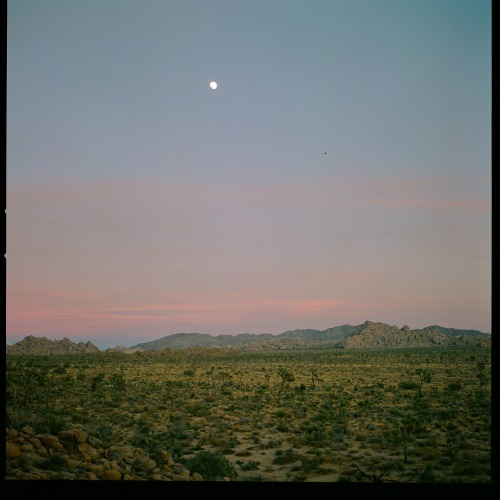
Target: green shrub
[[50, 424], [251, 465], [198, 410], [212, 466], [408, 386], [453, 387], [284, 457]]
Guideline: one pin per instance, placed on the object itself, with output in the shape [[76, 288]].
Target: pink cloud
[[61, 311], [232, 313], [439, 193]]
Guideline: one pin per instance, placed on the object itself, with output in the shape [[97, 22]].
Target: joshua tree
[[314, 377], [267, 376], [286, 378], [339, 408], [424, 375], [403, 431]]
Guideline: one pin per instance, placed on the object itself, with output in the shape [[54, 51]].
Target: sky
[[340, 172]]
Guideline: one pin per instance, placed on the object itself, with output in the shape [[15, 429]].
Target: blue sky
[[340, 172]]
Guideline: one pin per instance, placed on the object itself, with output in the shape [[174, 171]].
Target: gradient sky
[[341, 171]]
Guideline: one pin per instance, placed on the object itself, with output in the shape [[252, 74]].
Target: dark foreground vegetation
[[406, 416]]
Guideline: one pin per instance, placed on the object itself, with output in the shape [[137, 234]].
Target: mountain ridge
[[367, 335]]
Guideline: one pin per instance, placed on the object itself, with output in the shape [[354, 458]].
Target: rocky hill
[[366, 336], [379, 335], [42, 346], [291, 339]]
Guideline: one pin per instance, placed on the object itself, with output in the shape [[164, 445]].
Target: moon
[[213, 85]]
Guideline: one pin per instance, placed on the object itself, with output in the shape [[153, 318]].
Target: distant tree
[[481, 373], [339, 410], [117, 381], [213, 376], [454, 442], [314, 377], [96, 381], [267, 376], [425, 375], [403, 431], [286, 377]]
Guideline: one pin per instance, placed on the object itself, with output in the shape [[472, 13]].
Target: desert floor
[[405, 416]]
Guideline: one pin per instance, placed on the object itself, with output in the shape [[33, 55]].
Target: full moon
[[213, 85]]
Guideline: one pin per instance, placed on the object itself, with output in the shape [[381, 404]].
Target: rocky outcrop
[[72, 455], [124, 350], [380, 335], [42, 346]]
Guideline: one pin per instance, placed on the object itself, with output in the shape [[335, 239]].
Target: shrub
[[50, 424], [428, 475], [453, 387], [198, 410], [408, 386], [251, 465], [54, 462], [285, 457], [212, 466]]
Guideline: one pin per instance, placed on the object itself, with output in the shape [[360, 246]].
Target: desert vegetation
[[326, 415]]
